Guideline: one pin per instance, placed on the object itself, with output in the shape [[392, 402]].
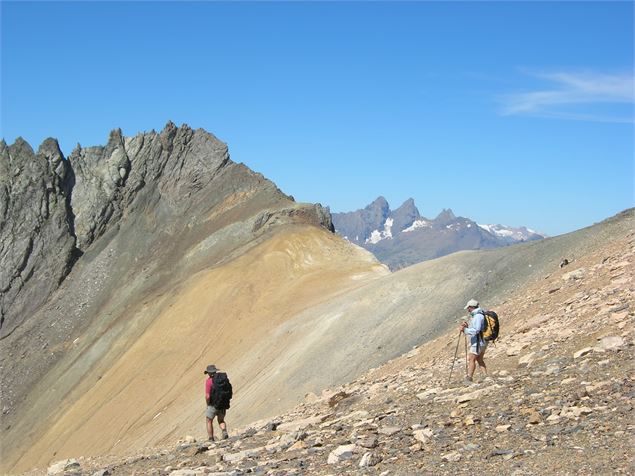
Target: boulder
[[423, 435], [610, 343], [369, 459], [188, 472], [341, 453], [452, 457], [527, 359], [574, 275], [389, 430], [296, 425], [62, 466]]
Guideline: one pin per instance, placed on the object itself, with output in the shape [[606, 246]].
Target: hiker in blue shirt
[[474, 329]]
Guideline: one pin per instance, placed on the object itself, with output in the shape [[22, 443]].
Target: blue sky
[[514, 113]]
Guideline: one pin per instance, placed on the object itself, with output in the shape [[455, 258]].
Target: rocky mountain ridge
[[558, 398], [88, 242], [403, 237], [53, 209]]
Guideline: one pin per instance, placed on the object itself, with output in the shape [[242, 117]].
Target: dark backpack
[[490, 326], [221, 391]]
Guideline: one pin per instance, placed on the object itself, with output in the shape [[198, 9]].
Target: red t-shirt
[[208, 388]]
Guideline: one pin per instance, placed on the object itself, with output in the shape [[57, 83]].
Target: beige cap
[[471, 303]]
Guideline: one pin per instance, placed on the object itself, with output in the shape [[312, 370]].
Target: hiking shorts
[[215, 412], [481, 348]]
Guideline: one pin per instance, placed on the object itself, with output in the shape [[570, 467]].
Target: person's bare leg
[[481, 362], [222, 425], [471, 365], [210, 428]]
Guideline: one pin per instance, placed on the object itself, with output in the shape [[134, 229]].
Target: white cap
[[471, 303]]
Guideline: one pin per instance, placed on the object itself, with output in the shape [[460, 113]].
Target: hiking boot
[[467, 380], [211, 438], [225, 435]]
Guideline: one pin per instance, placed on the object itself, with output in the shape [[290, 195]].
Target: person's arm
[[476, 327], [208, 390]]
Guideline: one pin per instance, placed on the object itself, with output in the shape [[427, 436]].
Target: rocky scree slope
[[84, 242], [558, 399], [402, 237]]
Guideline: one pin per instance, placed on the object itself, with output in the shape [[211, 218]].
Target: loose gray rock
[[341, 453]]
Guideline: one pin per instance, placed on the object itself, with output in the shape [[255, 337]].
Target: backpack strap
[[479, 335]]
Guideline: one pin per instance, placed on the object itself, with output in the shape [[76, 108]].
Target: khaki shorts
[[481, 348], [214, 412]]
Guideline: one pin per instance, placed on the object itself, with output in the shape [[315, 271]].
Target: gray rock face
[[84, 240], [178, 163], [37, 243], [403, 237]]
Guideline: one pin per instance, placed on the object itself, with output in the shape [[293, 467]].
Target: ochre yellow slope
[[154, 392]]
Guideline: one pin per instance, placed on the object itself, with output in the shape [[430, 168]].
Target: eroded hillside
[[558, 398]]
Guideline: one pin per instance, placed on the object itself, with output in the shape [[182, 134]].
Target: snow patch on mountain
[[376, 236], [516, 234], [417, 224]]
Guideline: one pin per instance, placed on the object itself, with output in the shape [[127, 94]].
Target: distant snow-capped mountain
[[513, 234], [403, 237]]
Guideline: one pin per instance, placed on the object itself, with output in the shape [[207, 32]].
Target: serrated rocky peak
[[378, 210], [177, 164], [405, 215], [54, 209], [446, 216]]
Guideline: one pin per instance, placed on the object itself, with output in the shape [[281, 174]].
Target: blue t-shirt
[[475, 327]]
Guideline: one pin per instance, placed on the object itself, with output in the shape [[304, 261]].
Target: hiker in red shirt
[[212, 411]]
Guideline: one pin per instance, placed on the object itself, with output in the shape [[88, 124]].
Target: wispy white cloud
[[577, 96]]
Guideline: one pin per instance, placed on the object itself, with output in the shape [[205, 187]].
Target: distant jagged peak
[[380, 203], [446, 216], [408, 207], [406, 215]]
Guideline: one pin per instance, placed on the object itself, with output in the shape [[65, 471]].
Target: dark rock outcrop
[[37, 242], [177, 163]]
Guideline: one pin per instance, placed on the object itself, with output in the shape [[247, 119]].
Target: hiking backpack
[[221, 391], [490, 326]]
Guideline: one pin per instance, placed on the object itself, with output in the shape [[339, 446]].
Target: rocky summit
[[558, 398], [402, 237]]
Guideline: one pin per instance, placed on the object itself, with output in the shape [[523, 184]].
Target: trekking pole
[[456, 351], [466, 369]]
